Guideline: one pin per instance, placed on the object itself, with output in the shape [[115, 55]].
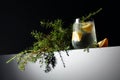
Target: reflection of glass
[[84, 34]]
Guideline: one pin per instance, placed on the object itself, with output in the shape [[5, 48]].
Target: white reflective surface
[[98, 64]]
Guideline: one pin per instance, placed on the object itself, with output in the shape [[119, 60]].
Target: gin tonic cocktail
[[84, 34]]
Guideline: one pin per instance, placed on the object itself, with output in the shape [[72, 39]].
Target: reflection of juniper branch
[[86, 49], [41, 60], [61, 58], [67, 52]]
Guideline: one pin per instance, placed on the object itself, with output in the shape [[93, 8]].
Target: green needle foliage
[[58, 39], [46, 44], [84, 18]]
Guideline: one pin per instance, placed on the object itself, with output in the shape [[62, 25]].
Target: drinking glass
[[84, 34]]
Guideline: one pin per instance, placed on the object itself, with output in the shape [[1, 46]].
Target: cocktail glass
[[84, 35]]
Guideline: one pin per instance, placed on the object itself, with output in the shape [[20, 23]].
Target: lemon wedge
[[103, 43], [87, 27], [76, 36]]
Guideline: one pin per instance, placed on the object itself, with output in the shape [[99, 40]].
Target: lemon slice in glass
[[87, 27], [76, 36]]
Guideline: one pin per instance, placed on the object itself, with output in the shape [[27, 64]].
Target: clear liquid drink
[[83, 34]]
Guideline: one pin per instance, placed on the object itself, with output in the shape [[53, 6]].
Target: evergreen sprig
[[83, 18], [57, 39]]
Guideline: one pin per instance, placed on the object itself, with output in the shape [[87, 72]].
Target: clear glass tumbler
[[84, 34]]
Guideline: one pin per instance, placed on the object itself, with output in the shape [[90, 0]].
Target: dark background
[[19, 18]]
